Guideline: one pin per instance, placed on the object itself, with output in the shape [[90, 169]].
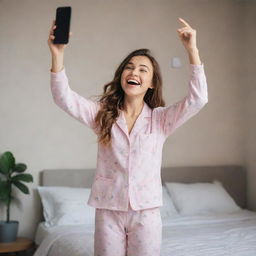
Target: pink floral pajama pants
[[131, 233]]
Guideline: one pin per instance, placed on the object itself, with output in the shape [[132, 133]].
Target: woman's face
[[137, 76]]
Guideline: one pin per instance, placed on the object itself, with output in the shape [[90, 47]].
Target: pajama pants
[[130, 233]]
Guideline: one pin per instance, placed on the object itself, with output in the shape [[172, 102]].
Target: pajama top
[[129, 170]]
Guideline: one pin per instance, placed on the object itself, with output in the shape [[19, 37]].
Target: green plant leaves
[[21, 187], [22, 177], [19, 167], [7, 168], [7, 162]]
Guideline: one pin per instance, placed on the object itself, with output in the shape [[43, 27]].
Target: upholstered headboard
[[233, 178]]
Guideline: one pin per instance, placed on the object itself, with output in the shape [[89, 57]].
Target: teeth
[[131, 80]]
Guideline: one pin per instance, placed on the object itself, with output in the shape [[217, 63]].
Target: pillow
[[66, 206], [201, 198], [168, 209]]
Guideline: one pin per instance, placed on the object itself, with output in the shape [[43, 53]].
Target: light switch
[[176, 63]]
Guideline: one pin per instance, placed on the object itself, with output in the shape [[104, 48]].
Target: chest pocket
[[148, 143]]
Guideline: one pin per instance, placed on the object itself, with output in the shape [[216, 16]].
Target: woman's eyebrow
[[140, 65]]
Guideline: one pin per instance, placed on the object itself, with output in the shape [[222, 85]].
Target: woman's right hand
[[56, 49]]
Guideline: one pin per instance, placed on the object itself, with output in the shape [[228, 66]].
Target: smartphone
[[62, 22]]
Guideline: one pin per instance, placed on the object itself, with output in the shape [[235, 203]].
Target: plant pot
[[8, 231]]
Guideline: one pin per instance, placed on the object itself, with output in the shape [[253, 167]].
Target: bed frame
[[233, 178]]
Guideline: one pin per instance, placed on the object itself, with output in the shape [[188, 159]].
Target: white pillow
[[168, 209], [201, 198], [66, 206]]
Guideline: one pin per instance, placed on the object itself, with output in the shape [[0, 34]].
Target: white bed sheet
[[43, 231], [218, 235]]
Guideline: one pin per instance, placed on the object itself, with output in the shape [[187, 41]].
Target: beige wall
[[104, 32], [248, 54]]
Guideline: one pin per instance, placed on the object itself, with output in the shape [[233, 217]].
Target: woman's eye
[[140, 70]]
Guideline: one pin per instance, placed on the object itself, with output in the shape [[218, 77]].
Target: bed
[[186, 229]]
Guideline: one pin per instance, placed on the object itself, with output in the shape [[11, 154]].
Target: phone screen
[[62, 22]]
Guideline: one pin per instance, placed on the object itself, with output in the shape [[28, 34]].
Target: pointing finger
[[184, 22]]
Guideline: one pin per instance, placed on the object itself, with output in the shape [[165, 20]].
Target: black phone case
[[62, 22]]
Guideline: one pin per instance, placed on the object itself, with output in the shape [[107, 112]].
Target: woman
[[132, 124]]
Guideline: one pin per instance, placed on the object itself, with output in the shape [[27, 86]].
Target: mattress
[[218, 234]]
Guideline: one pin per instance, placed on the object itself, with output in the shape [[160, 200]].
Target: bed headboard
[[233, 178]]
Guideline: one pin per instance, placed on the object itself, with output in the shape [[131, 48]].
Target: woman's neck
[[133, 108]]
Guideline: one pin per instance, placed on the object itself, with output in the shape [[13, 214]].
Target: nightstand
[[18, 247]]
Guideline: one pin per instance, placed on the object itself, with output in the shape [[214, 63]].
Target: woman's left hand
[[187, 35]]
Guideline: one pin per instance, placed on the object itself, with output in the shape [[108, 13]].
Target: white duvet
[[212, 235]]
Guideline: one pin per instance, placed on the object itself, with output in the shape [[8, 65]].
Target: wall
[[104, 32], [248, 59]]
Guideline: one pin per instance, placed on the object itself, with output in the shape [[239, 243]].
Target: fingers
[[181, 30], [184, 31], [51, 34], [52, 28], [184, 22], [53, 24], [51, 31], [51, 37]]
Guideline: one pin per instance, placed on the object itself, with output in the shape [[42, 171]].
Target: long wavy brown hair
[[112, 99]]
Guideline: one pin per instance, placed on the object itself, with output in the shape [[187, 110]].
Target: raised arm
[[173, 116], [81, 108]]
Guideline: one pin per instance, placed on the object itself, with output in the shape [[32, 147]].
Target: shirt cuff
[[196, 68], [58, 74]]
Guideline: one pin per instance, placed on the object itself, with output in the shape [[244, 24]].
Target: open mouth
[[133, 82]]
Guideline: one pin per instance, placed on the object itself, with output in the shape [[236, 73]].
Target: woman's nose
[[135, 72]]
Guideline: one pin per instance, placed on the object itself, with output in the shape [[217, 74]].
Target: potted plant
[[11, 174]]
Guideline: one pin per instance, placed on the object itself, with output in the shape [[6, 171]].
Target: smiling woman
[[134, 74], [141, 68], [132, 124]]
